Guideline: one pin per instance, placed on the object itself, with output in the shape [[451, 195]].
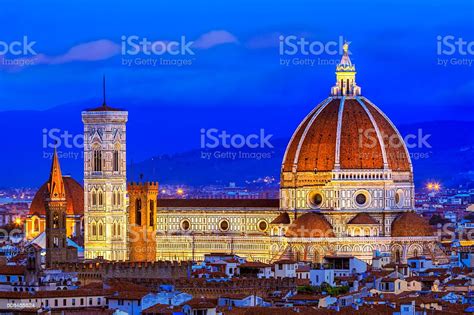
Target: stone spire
[[55, 183], [345, 76]]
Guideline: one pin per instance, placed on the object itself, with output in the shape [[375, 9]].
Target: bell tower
[[143, 197], [56, 240], [105, 183]]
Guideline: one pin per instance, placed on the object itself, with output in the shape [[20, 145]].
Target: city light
[[180, 191], [17, 221], [433, 186]]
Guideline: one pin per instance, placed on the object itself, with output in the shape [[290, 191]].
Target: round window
[[315, 199], [224, 225], [185, 225], [262, 226], [361, 199]]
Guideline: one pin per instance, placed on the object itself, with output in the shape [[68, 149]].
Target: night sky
[[236, 61]]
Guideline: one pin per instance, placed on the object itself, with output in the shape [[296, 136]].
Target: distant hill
[[156, 132]]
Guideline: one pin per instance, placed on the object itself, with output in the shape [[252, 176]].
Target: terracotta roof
[[310, 225], [12, 270], [362, 218], [74, 198], [313, 145], [305, 297], [201, 303], [104, 108], [285, 261], [128, 295], [161, 309], [218, 203], [254, 264], [282, 218], [410, 224]]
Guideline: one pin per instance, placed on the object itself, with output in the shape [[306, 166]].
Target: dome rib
[[346, 133], [308, 127], [377, 130], [359, 150], [292, 146], [319, 137], [398, 156], [337, 158]]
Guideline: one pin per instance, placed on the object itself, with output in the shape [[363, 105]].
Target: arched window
[[55, 220], [119, 229], [94, 198], [119, 198], [114, 200], [115, 229], [94, 229], [36, 224], [101, 198], [101, 229], [152, 213], [116, 160], [97, 160], [138, 212]]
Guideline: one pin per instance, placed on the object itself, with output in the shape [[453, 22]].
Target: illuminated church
[[346, 188]]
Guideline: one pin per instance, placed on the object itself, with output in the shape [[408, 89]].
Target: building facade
[[346, 187], [105, 183]]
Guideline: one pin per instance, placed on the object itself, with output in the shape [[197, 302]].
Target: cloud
[[92, 51], [215, 38]]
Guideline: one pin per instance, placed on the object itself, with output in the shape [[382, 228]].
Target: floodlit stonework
[[346, 188], [105, 183]]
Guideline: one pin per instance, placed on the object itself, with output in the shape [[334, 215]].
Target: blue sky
[[236, 69], [393, 46]]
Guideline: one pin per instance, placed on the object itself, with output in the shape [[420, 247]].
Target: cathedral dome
[[74, 198], [410, 224], [310, 225], [346, 133]]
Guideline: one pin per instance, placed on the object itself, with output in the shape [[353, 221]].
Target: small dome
[[410, 224], [282, 218], [74, 198], [310, 225], [362, 219]]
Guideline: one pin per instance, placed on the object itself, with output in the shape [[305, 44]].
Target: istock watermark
[[454, 51], [67, 144], [369, 138], [221, 144], [140, 51], [18, 52], [300, 51]]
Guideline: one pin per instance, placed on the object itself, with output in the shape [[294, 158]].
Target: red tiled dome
[[327, 134], [410, 224], [74, 198], [310, 225]]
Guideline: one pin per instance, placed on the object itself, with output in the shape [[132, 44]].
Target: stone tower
[[142, 222], [57, 250], [105, 183]]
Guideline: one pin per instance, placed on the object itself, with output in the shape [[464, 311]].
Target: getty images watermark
[[300, 51], [67, 144], [454, 51], [18, 53], [221, 144], [141, 51], [368, 138]]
